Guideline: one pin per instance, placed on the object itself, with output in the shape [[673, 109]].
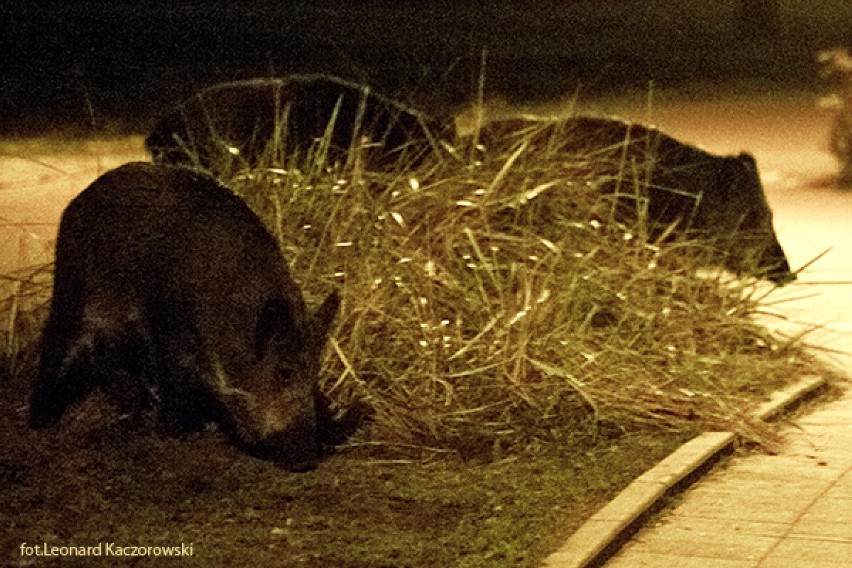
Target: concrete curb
[[606, 532], [789, 398]]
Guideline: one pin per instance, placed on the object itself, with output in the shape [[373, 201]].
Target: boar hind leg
[[64, 375], [83, 353]]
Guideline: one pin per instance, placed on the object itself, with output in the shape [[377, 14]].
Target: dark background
[[114, 66]]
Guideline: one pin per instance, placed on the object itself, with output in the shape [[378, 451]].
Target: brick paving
[[790, 510]]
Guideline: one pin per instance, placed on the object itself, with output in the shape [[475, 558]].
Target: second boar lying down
[[168, 284], [719, 198]]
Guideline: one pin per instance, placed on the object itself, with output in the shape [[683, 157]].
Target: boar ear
[[749, 173], [738, 176], [748, 160], [275, 317], [324, 316]]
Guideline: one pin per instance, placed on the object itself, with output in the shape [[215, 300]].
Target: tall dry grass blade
[[813, 260], [507, 166]]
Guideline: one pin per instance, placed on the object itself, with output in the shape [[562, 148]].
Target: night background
[[541, 362], [123, 63]]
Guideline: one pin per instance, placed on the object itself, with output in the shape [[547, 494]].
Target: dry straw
[[493, 303]]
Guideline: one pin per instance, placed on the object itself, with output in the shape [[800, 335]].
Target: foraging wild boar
[[714, 197], [169, 285], [237, 123]]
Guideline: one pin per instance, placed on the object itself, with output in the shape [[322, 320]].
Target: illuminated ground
[[787, 134]]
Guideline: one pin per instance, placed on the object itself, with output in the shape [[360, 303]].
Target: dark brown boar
[[169, 283], [720, 198], [237, 123]]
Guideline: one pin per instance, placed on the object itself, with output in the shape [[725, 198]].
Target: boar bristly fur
[[168, 281]]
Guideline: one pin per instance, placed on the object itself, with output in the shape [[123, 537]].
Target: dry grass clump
[[23, 308], [492, 304]]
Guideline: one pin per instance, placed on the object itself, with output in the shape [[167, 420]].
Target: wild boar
[[167, 283], [237, 123], [676, 184]]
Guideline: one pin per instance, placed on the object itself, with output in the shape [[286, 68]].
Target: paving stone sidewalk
[[791, 510]]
